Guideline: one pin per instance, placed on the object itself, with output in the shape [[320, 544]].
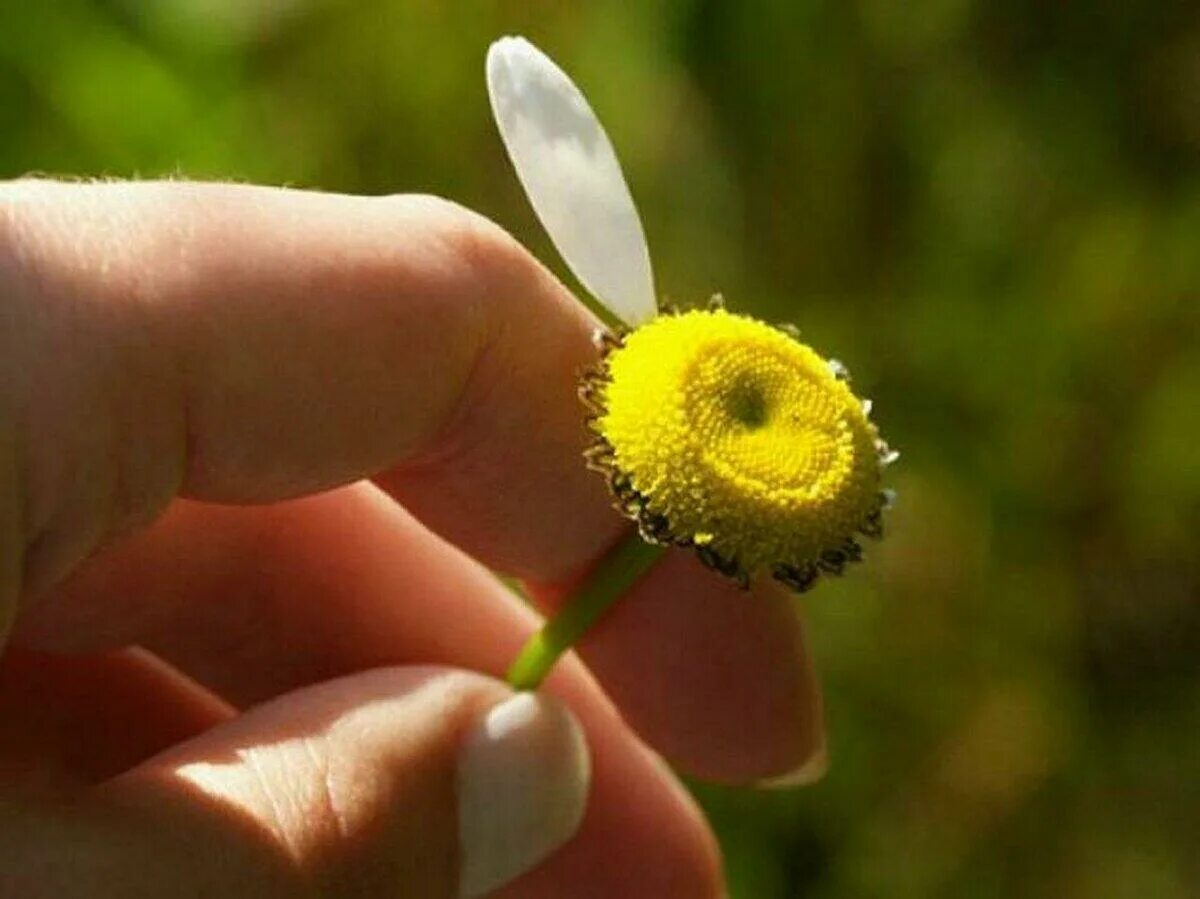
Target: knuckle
[[79, 357], [481, 247]]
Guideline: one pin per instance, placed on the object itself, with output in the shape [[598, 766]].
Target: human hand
[[194, 379]]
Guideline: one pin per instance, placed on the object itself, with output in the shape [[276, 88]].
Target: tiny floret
[[723, 433]]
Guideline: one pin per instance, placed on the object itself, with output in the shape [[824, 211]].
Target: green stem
[[628, 561]]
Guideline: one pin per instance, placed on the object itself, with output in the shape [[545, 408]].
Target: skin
[[260, 451]]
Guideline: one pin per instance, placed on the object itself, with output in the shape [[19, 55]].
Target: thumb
[[402, 781]]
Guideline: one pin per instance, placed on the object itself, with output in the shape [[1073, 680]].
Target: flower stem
[[628, 561]]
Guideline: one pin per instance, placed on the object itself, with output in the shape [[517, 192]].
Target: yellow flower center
[[741, 438]]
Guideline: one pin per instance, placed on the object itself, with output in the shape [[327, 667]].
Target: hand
[[235, 668]]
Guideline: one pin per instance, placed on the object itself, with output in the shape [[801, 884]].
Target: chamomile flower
[[714, 430]]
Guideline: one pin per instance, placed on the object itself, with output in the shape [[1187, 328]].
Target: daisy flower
[[714, 430]]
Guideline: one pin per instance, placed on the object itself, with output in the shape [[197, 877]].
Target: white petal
[[838, 368], [569, 170]]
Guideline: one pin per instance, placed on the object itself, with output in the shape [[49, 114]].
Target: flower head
[[715, 430], [721, 432]]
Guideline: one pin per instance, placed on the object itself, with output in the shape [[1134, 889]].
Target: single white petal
[[568, 168]]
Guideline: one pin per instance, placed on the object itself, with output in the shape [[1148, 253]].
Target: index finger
[[245, 344]]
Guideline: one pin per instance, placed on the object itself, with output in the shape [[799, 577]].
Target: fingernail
[[523, 776], [808, 772]]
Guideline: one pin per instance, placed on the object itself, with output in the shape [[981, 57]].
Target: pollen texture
[[724, 433]]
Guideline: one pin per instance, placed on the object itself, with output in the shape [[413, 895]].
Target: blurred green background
[[989, 210]]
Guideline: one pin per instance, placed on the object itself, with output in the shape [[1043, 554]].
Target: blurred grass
[[990, 211]]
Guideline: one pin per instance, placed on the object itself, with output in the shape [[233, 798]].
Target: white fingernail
[[523, 776], [810, 771]]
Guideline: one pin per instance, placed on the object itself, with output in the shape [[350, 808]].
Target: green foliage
[[989, 211]]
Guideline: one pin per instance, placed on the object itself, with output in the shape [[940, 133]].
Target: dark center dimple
[[747, 405]]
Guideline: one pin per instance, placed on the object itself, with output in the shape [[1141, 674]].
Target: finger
[[254, 602], [246, 344], [410, 782], [69, 721], [218, 320]]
